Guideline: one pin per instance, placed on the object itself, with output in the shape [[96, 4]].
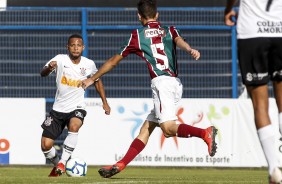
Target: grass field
[[135, 175]]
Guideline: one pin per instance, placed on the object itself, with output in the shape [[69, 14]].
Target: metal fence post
[[84, 30], [84, 36], [234, 62]]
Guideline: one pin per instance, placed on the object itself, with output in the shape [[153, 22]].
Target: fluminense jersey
[[68, 96], [259, 18], [154, 43]]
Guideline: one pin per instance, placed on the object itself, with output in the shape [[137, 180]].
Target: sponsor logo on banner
[[197, 117], [4, 151], [212, 115], [137, 119]]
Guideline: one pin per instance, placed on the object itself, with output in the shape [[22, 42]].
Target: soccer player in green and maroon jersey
[[156, 45]]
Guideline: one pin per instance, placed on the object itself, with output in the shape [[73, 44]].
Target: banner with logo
[[20, 130], [104, 139]]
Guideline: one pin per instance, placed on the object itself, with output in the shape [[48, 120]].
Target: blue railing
[[87, 24]]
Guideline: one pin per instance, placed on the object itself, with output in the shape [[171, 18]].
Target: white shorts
[[167, 92]]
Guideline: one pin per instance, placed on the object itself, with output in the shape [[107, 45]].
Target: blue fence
[[32, 36]]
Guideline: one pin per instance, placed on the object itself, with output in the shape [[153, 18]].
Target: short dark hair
[[147, 8], [75, 36]]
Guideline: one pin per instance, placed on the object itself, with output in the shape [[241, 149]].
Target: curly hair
[[75, 36]]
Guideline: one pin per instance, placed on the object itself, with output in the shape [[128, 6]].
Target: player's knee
[[167, 130], [74, 127], [167, 133], [45, 146]]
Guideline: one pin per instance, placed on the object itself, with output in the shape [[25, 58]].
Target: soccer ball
[[76, 167]]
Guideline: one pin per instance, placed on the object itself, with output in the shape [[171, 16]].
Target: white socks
[[280, 122], [267, 139], [69, 145], [52, 156]]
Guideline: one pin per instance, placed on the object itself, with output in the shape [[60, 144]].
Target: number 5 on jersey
[[159, 56]]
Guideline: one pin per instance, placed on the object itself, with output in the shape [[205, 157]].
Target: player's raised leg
[[183, 130], [135, 148]]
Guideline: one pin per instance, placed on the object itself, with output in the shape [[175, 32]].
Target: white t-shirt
[[68, 96], [257, 19]]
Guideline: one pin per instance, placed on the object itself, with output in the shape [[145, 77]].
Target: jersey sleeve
[[56, 58], [174, 32], [94, 69], [131, 45]]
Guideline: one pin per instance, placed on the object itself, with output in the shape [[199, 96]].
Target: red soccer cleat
[[60, 169], [53, 173], [109, 171], [210, 140]]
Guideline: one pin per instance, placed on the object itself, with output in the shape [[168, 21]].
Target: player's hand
[[107, 108], [229, 17], [52, 65], [85, 83], [195, 54]]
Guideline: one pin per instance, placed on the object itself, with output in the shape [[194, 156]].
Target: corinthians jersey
[[259, 18], [154, 43], [68, 96]]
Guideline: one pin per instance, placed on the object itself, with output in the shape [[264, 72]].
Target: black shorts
[[55, 123], [260, 60]]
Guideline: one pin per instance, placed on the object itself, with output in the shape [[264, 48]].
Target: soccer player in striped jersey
[[69, 107], [259, 34], [156, 45]]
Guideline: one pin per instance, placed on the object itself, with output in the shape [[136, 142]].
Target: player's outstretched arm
[[106, 67], [46, 70], [186, 47], [101, 91]]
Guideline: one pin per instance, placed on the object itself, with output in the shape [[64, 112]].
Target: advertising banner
[[104, 139], [20, 130]]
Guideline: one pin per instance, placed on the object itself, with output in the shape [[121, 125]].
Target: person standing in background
[[259, 36], [68, 108]]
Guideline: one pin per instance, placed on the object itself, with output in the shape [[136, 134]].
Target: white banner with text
[[20, 130], [104, 139]]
